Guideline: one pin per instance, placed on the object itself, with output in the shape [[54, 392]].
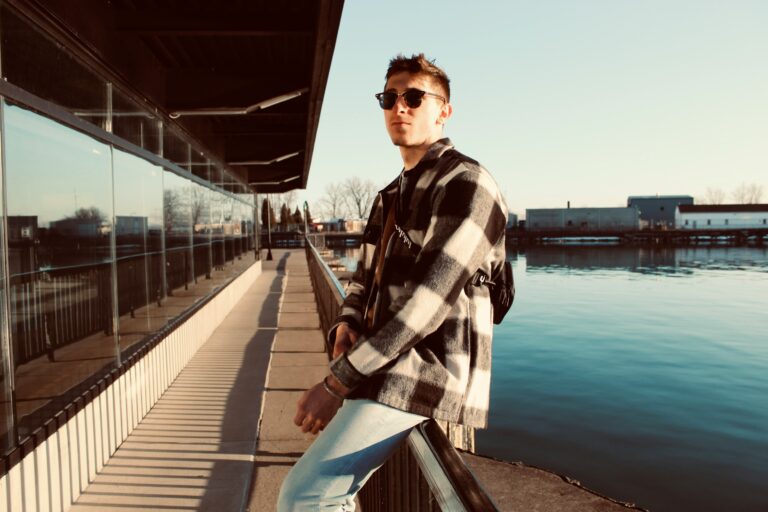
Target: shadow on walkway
[[195, 449]]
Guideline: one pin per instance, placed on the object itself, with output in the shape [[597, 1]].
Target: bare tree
[[748, 193], [171, 207], [90, 213], [332, 205], [714, 196], [200, 209], [358, 195]]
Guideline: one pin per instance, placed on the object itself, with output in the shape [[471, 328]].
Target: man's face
[[414, 127]]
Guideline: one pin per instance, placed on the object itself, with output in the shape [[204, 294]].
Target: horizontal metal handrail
[[327, 272], [451, 483]]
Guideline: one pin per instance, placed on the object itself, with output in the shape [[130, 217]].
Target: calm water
[[641, 373]]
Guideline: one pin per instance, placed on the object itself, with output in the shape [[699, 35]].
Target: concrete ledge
[[514, 486]]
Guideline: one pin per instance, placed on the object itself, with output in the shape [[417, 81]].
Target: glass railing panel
[[139, 245], [59, 206]]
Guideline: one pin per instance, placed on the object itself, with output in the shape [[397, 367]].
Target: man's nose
[[400, 105]]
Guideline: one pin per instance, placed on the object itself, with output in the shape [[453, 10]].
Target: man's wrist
[[337, 387], [330, 391]]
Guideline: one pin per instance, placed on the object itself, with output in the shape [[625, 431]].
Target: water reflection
[[653, 260], [640, 371]]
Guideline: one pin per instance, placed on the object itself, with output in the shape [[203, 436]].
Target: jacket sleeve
[[354, 304], [353, 308], [468, 218]]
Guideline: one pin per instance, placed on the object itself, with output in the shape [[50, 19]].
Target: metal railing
[[426, 473]]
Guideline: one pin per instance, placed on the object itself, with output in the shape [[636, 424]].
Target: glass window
[[134, 124], [59, 204], [6, 406], [201, 226], [199, 165], [35, 63], [217, 223], [175, 149], [138, 239], [228, 205], [177, 220]]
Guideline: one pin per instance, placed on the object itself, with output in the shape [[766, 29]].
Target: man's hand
[[345, 338], [317, 407]]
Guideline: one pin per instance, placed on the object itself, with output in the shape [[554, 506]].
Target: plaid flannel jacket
[[428, 350]]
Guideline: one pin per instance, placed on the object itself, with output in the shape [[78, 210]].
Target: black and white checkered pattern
[[429, 350]]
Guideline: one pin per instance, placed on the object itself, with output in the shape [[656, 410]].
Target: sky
[[586, 101]]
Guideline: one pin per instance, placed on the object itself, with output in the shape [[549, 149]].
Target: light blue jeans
[[357, 441]]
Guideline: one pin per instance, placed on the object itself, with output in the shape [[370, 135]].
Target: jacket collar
[[427, 161]]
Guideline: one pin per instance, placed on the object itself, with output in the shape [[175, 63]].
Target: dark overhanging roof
[[182, 57]]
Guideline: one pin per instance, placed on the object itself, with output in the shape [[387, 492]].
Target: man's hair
[[419, 65]]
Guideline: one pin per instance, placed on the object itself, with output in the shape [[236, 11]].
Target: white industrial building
[[721, 216]]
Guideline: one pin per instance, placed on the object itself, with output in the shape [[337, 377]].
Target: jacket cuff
[[345, 373], [348, 319], [352, 316]]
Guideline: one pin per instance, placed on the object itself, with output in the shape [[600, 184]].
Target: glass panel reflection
[[59, 204], [201, 223], [217, 229], [134, 124], [46, 70], [138, 238], [229, 228], [177, 218], [6, 406], [175, 149]]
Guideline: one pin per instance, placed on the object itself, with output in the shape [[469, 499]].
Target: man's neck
[[412, 155]]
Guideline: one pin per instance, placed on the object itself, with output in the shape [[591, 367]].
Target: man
[[414, 337]]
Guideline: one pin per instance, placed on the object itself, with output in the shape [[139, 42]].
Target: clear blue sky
[[587, 101]]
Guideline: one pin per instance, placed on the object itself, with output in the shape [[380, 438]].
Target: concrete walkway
[[197, 448]]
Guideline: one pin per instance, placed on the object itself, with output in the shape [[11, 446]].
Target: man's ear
[[445, 112]]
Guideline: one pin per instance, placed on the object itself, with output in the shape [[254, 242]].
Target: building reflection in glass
[[138, 245], [59, 204], [104, 249]]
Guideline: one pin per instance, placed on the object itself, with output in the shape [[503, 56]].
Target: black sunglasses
[[412, 98]]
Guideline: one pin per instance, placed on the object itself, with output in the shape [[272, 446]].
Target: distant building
[[329, 226], [658, 211], [582, 220], [76, 227], [722, 216], [126, 225], [354, 225], [511, 220], [22, 228]]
